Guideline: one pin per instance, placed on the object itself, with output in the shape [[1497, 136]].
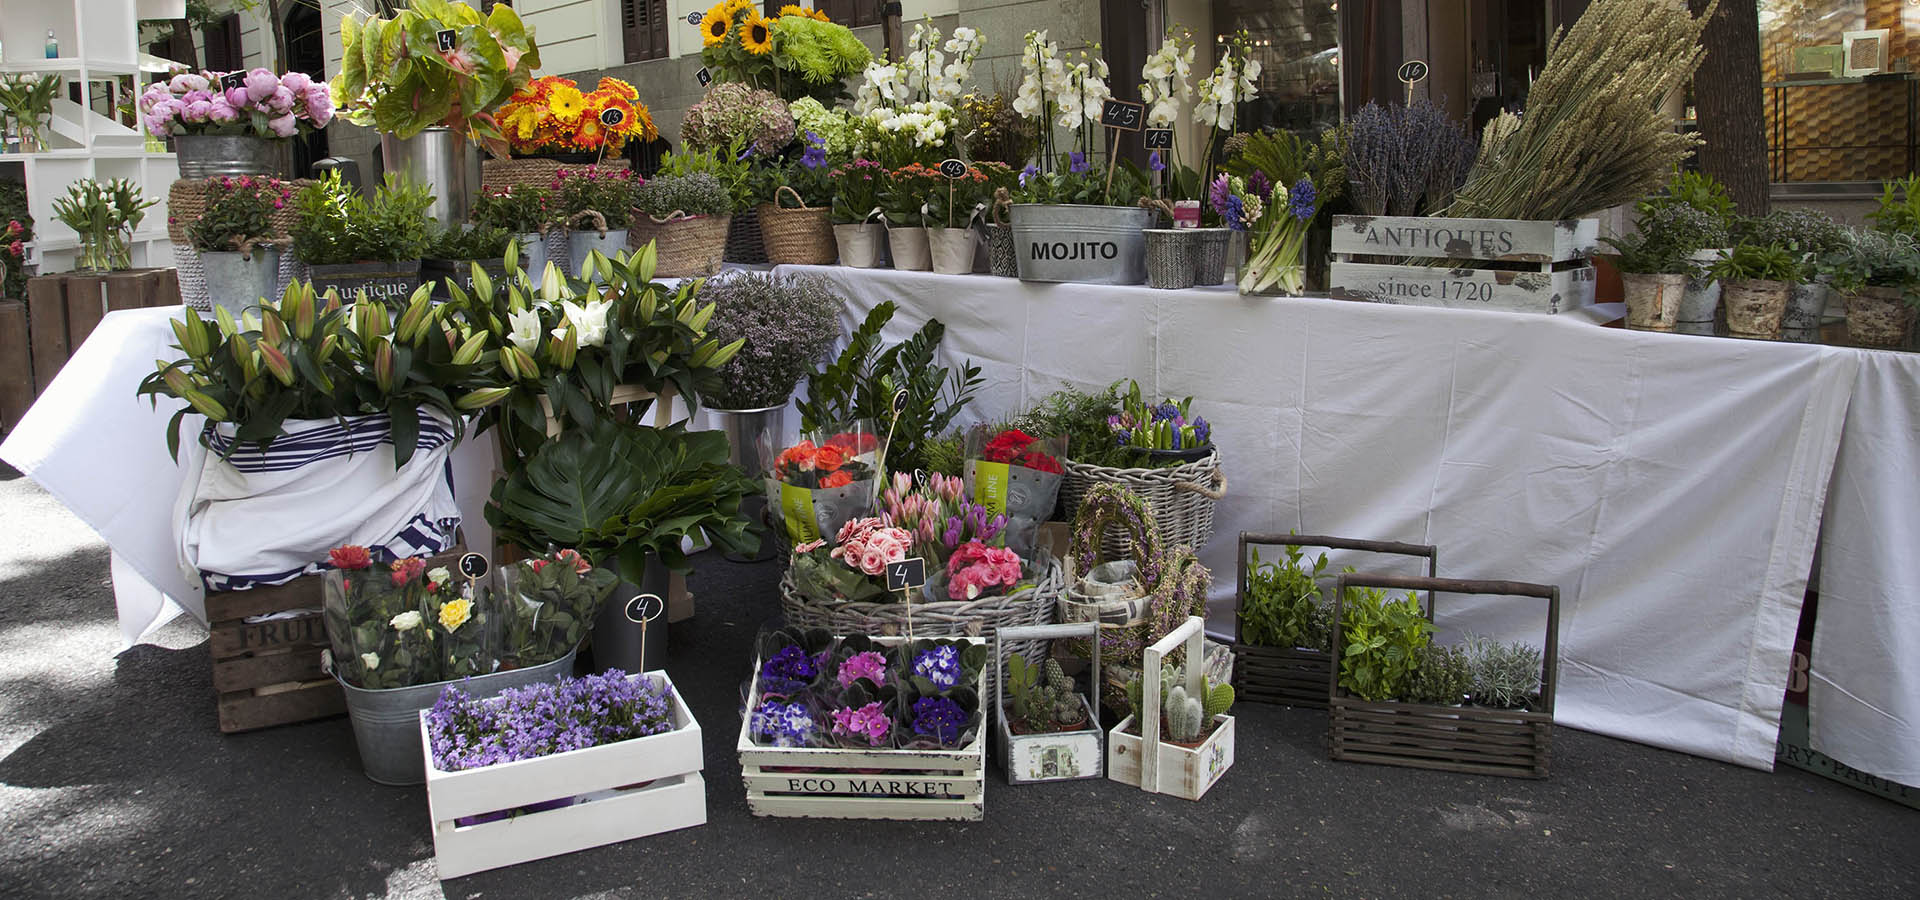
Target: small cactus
[[1187, 715], [1044, 698]]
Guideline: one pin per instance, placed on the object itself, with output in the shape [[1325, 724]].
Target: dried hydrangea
[[733, 111]]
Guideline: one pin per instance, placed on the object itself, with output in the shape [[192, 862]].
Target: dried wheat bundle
[[1593, 135]]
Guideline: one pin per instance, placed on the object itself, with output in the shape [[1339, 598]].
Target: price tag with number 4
[[906, 574]]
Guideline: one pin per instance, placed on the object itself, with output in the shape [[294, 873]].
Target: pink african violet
[[975, 569], [870, 665], [869, 721]]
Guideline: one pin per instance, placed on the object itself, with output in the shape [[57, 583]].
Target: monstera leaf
[[619, 492]]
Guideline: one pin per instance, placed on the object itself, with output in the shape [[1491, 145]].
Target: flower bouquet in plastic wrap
[[825, 480], [402, 624], [854, 568], [551, 601], [1012, 473], [963, 542]]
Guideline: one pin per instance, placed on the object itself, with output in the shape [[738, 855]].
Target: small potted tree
[[1755, 280], [1657, 261], [356, 245], [1877, 273], [236, 242]]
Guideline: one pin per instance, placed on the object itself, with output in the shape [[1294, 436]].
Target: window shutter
[[659, 19], [643, 28]]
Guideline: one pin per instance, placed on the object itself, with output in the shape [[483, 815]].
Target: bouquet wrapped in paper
[[402, 624], [824, 481], [551, 601], [1014, 474]]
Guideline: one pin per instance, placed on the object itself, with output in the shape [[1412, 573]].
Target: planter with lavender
[[557, 767]]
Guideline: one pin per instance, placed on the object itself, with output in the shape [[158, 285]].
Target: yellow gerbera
[[755, 36], [715, 25], [567, 102]]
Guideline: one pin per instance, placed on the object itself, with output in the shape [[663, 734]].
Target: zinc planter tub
[[385, 722], [236, 281], [1080, 243]]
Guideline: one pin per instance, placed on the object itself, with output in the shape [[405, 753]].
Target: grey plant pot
[[386, 723], [236, 281]]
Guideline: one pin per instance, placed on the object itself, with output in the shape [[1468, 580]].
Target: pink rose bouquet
[[257, 103], [854, 567]]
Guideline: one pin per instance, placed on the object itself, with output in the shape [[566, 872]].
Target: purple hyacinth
[[1219, 193], [1260, 184], [1301, 200]]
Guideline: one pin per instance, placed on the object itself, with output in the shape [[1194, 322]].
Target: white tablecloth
[[1673, 487]]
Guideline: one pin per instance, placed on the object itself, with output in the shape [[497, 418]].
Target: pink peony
[[284, 126], [199, 111], [280, 101], [319, 105], [237, 98], [295, 82], [188, 82], [261, 84], [196, 97], [224, 112]]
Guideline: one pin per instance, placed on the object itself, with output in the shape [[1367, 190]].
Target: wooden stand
[[63, 309]]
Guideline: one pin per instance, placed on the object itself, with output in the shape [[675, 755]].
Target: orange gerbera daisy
[[756, 36], [618, 88]]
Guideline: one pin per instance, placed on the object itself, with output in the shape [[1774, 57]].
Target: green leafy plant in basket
[[861, 382], [1283, 607], [1754, 262], [478, 243], [336, 225], [621, 493], [1899, 209], [1382, 640], [1044, 698], [1502, 676]]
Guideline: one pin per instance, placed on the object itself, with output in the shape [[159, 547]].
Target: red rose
[[1039, 462], [537, 565], [838, 479], [349, 556], [829, 458]]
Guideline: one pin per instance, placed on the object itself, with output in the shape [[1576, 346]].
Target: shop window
[[851, 13], [1298, 45], [1839, 89], [643, 29], [224, 53]]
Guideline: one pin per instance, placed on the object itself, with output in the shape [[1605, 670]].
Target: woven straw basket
[[798, 236], [506, 173], [947, 618], [744, 242], [1181, 498], [685, 246]]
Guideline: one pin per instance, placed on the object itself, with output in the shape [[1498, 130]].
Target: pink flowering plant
[[961, 539], [259, 103], [854, 568], [860, 700], [239, 214]]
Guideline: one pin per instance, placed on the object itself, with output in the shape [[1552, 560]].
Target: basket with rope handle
[[799, 234], [1180, 497], [685, 246]]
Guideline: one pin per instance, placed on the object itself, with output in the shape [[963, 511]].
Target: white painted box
[[1554, 276], [622, 791], [1184, 772]]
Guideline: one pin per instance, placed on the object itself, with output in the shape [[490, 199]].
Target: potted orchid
[[1074, 218], [909, 101], [1234, 80], [233, 123]]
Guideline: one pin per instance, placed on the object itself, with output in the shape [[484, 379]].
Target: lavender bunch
[[545, 719], [788, 325], [1402, 160]]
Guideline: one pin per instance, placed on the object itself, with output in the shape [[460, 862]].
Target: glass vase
[[100, 253]]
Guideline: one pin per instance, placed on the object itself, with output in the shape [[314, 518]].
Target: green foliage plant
[[481, 242], [395, 78], [1756, 262], [1502, 676], [1283, 607], [1696, 190], [1381, 643], [861, 383], [336, 225], [1440, 676], [238, 213], [726, 167], [1899, 208], [1665, 240], [592, 189], [1083, 180], [1874, 259], [668, 196], [519, 208]]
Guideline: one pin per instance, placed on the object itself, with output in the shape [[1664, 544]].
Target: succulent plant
[[1186, 714], [1044, 698]]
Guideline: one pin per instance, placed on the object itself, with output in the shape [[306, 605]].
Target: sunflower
[[567, 102], [715, 25], [755, 36]]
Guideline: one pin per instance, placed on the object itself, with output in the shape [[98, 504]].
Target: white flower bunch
[[589, 322], [1234, 81], [1043, 75], [1084, 93], [926, 123], [926, 74], [1167, 79]]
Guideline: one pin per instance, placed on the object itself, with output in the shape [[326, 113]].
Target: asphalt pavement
[[115, 781]]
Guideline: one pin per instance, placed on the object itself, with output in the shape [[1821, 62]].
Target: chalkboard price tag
[[953, 168], [899, 401], [1159, 138], [473, 565], [1413, 70], [1125, 115], [233, 80], [644, 608], [906, 574], [612, 117], [445, 37], [693, 18], [705, 76]]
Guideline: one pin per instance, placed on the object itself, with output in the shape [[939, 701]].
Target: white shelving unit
[[98, 44]]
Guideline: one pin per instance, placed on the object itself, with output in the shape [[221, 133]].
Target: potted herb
[[522, 211], [1755, 280], [234, 123], [684, 210], [856, 206], [452, 255], [28, 102], [1177, 739], [354, 245], [951, 207], [105, 216], [903, 204], [236, 240], [748, 125], [1877, 272], [786, 325], [595, 205], [1703, 193], [797, 226], [1659, 258], [1812, 237], [435, 103], [625, 496]]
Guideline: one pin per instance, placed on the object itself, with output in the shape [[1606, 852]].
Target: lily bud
[[561, 351], [207, 406], [482, 282], [272, 329], [177, 380], [383, 365], [469, 352], [552, 285], [303, 313], [649, 304], [328, 344], [701, 318], [369, 321], [518, 364], [726, 354], [332, 296], [414, 320], [482, 398], [224, 320], [192, 334], [277, 363]]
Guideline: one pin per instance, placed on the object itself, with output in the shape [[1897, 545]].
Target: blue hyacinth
[[1300, 200]]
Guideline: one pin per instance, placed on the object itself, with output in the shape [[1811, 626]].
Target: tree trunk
[[1727, 98], [181, 47]]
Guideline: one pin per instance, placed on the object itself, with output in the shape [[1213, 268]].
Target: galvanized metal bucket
[[1083, 244], [214, 155], [1806, 304], [235, 282], [1170, 258], [442, 158], [533, 254], [386, 723]]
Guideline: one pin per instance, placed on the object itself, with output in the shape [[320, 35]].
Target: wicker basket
[[799, 236], [686, 246], [946, 618], [1181, 498], [186, 203], [744, 242], [496, 174]]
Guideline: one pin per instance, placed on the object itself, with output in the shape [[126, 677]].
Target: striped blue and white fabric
[[264, 517]]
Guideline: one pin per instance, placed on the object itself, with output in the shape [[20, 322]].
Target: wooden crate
[[1297, 676], [1174, 770], [1536, 267], [16, 363], [1052, 756], [1470, 739], [267, 672], [621, 791], [62, 310], [831, 783]]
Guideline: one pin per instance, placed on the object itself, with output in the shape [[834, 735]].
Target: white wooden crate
[[832, 783], [673, 796], [1553, 275], [1184, 772], [1054, 756]]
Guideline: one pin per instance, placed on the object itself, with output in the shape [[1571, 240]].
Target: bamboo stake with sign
[[1118, 116]]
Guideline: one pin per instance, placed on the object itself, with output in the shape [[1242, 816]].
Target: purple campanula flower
[[1077, 162]]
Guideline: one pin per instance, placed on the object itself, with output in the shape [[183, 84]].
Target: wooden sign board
[[1125, 115], [1502, 289], [1159, 138], [1504, 240]]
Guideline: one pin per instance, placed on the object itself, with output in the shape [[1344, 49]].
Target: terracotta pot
[[1754, 307], [1653, 301], [1879, 317]]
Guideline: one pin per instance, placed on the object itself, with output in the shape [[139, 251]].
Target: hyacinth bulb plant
[[1279, 183], [1166, 426]]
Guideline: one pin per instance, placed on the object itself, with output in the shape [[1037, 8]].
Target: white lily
[[526, 329]]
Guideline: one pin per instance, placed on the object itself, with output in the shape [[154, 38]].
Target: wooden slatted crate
[[832, 783], [1297, 676], [267, 671], [1471, 739], [1504, 264], [62, 310]]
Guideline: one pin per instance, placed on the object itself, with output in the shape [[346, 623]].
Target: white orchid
[[589, 322], [526, 329], [1167, 79], [1041, 76]]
